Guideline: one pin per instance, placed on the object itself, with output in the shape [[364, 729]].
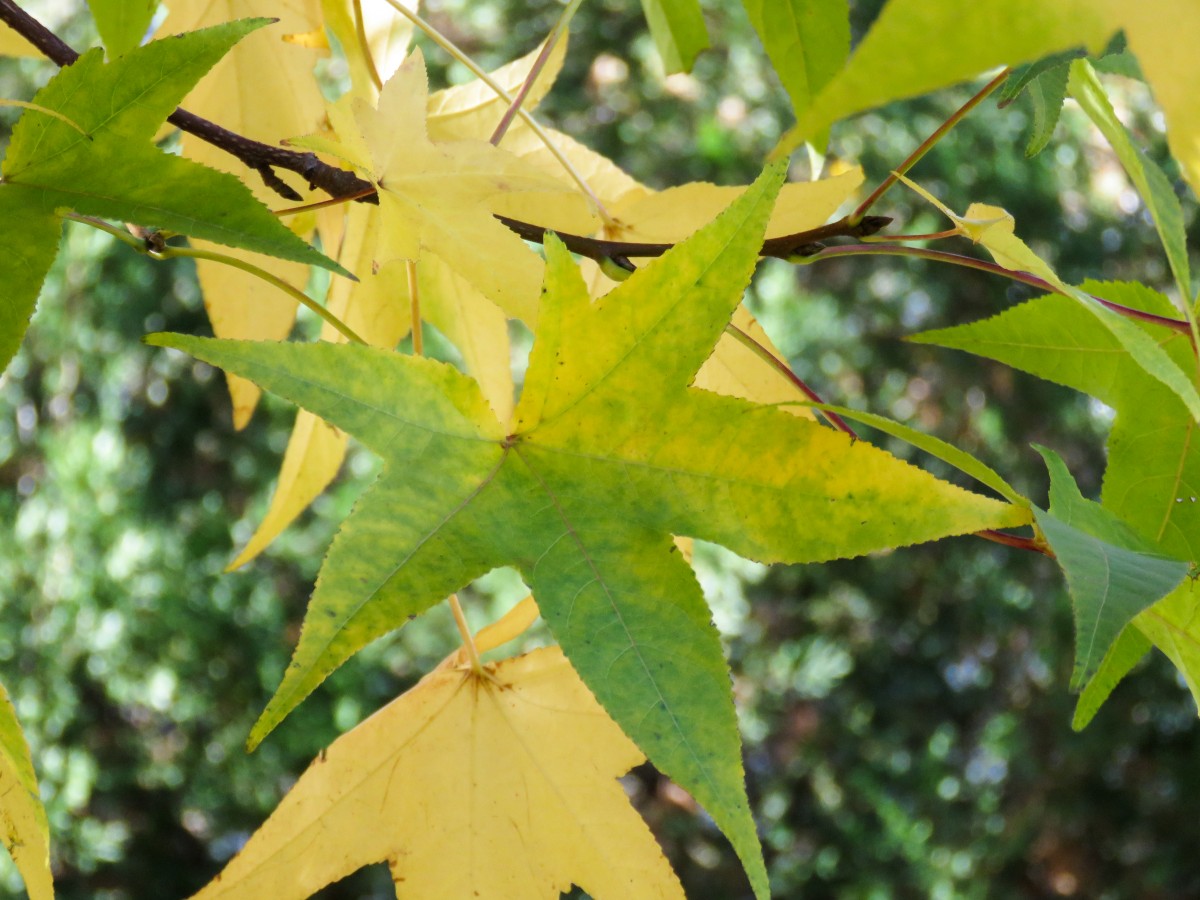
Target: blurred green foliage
[[906, 716]]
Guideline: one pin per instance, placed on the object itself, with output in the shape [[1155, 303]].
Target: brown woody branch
[[337, 182]]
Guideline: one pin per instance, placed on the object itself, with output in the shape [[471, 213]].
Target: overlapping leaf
[[1153, 470], [520, 766], [678, 30], [917, 46], [122, 23], [807, 41], [1113, 573], [22, 818], [609, 454], [994, 228], [112, 170]]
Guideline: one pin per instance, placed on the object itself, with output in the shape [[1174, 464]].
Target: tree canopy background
[[906, 716]]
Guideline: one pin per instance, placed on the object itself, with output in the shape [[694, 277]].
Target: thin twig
[[970, 262], [927, 145], [556, 33], [1015, 540], [786, 371]]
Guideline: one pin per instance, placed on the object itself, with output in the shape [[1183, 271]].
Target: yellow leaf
[[387, 34], [504, 786], [671, 215], [435, 197], [475, 325], [263, 89], [12, 44], [994, 228], [737, 371], [473, 109], [1163, 34], [22, 818]]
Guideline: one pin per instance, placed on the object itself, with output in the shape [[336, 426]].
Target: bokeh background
[[906, 716]]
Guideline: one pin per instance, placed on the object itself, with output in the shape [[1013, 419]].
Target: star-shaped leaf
[[610, 453], [519, 765], [98, 159], [437, 197]]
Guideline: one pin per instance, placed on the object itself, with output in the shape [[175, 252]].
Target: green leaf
[[609, 454], [1023, 76], [122, 23], [1125, 653], [114, 171], [29, 232], [916, 46], [1046, 95], [1112, 572], [1153, 449], [1153, 186], [22, 818], [807, 41], [1174, 626], [678, 29]]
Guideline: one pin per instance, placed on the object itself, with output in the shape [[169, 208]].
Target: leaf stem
[[322, 204], [152, 246], [785, 370], [298, 295], [971, 262], [559, 29], [418, 339], [450, 47], [1015, 540], [468, 640], [928, 144], [360, 32]]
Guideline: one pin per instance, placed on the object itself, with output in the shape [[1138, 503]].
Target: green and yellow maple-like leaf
[[609, 453], [503, 785], [22, 818]]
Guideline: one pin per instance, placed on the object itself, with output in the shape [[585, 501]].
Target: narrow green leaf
[[1125, 653], [1046, 95], [22, 818], [122, 23], [1154, 448], [807, 41], [114, 171], [678, 29], [1112, 572], [1153, 186], [934, 446], [1023, 76], [29, 233]]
